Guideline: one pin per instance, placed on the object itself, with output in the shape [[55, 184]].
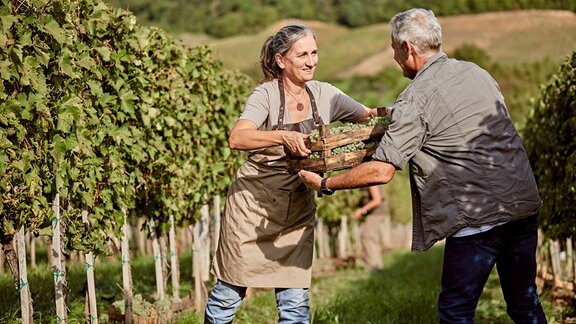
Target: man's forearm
[[364, 175]]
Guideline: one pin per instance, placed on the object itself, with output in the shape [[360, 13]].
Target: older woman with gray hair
[[267, 233]]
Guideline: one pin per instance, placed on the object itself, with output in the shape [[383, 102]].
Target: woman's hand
[[358, 213], [295, 143]]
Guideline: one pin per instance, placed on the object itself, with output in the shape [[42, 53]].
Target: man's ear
[[279, 60]]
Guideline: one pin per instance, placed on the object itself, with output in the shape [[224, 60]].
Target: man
[[470, 176]]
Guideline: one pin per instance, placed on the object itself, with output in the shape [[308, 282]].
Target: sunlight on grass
[[405, 291]]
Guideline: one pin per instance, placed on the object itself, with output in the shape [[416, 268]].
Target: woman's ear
[[279, 60]]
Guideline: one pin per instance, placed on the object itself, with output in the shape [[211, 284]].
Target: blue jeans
[[225, 299], [469, 260]]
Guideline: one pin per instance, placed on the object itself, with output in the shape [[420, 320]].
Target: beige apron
[[267, 232]]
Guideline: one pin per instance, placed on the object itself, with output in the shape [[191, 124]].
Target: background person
[[470, 177], [370, 213], [267, 232]]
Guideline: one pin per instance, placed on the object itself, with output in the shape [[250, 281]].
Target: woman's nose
[[310, 60]]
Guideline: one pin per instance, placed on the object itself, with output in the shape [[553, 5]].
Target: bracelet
[[363, 211]]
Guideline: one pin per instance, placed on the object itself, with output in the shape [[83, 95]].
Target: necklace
[[299, 106]]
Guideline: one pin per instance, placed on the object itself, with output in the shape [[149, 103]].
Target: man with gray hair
[[470, 177]]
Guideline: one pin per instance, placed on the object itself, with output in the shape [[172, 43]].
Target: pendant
[[300, 106]]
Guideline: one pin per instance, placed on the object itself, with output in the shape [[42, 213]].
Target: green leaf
[[42, 53], [46, 231], [53, 28], [104, 53], [59, 147], [7, 22], [6, 71]]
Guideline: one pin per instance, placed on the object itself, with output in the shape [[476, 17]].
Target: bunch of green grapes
[[352, 147], [345, 127], [379, 120], [314, 136], [314, 155]]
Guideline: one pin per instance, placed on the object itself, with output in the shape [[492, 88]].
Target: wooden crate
[[334, 162]]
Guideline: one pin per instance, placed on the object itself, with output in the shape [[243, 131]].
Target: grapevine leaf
[[52, 28], [7, 22]]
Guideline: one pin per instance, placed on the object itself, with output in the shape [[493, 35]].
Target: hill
[[508, 37]]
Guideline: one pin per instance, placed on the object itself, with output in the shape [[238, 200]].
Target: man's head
[[416, 36]]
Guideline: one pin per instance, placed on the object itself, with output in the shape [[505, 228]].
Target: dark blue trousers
[[469, 260]]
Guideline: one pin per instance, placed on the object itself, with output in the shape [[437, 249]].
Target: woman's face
[[300, 62]]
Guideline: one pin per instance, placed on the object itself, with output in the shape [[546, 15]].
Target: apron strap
[[280, 124], [315, 115]]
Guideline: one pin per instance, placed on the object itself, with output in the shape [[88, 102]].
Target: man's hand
[[311, 179]]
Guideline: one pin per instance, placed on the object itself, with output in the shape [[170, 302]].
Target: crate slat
[[331, 163], [349, 137]]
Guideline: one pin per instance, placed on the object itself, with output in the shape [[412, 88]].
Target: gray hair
[[419, 27], [280, 43]]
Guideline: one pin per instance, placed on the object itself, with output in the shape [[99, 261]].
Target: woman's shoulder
[[268, 86], [266, 89], [318, 84]]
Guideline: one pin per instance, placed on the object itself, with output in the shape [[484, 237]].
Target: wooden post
[[92, 310], [2, 259], [556, 263], [342, 237], [569, 260], [57, 259], [196, 267], [127, 273], [163, 261], [24, 289], [200, 290], [205, 242], [216, 228], [174, 261], [157, 260]]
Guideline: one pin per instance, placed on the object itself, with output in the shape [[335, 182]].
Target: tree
[[549, 137]]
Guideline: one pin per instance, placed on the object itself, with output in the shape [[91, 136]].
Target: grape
[[346, 127]]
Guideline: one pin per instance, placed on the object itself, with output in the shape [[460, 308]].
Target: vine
[[110, 115]]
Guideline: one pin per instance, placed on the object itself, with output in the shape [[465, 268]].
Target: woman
[[371, 210], [267, 233]]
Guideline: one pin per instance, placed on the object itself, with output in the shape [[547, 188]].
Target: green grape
[[346, 127], [314, 135], [314, 155]]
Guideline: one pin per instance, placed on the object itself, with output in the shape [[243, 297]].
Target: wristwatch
[[323, 188]]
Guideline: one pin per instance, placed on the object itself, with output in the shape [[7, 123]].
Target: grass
[[108, 277], [405, 291]]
